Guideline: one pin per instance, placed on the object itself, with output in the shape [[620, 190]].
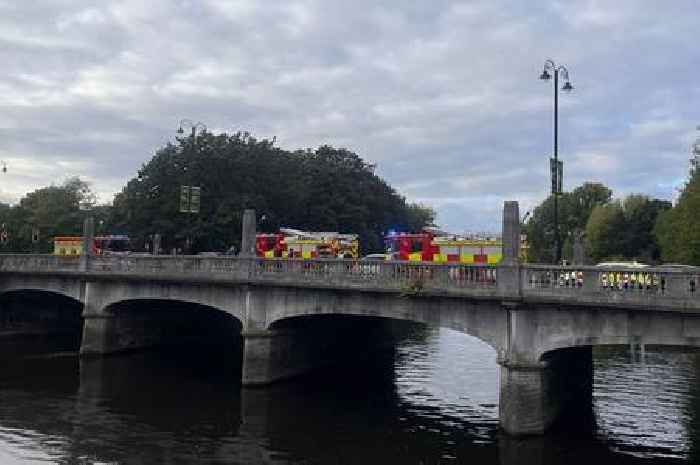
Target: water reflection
[[434, 399]]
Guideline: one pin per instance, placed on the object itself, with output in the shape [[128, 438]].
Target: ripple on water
[[643, 404]]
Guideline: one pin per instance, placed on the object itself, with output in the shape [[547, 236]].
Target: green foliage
[[53, 211], [574, 209], [603, 230], [624, 229], [678, 229], [326, 189]]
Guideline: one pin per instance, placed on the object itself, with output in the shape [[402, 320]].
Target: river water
[[433, 400]]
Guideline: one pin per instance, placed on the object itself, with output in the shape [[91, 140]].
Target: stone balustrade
[[649, 286]]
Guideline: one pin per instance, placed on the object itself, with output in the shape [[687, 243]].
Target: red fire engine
[[437, 246], [293, 243]]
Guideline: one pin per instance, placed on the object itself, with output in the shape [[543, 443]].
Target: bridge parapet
[[409, 277], [656, 287], [37, 263], [651, 287]]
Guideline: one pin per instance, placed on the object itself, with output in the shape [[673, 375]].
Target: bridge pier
[[306, 344], [271, 355], [558, 390]]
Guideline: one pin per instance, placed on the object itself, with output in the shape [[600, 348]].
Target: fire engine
[[293, 243], [115, 244], [432, 245]]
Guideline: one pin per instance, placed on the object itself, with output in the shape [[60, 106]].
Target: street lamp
[[553, 68], [190, 195], [186, 123]]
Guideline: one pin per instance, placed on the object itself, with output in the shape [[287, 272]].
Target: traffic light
[[35, 235]]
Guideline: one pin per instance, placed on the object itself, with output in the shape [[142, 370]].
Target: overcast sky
[[443, 96]]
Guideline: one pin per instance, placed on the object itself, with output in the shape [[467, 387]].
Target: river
[[433, 400]]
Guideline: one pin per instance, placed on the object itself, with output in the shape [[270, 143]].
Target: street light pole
[[190, 190], [557, 183], [193, 128]]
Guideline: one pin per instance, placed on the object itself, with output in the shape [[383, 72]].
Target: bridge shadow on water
[[37, 322], [184, 405]]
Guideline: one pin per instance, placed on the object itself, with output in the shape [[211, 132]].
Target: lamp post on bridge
[[556, 166], [187, 123], [190, 195]]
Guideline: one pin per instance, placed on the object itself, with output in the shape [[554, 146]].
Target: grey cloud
[[433, 92]]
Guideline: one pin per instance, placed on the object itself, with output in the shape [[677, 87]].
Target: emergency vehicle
[[293, 243], [432, 245], [116, 244]]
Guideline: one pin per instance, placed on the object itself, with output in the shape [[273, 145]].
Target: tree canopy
[[625, 229], [613, 228], [678, 229], [574, 209], [49, 211], [327, 189]]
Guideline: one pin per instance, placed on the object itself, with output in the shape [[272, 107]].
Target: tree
[[678, 230], [327, 189], [52, 211], [604, 231], [625, 229], [574, 209]]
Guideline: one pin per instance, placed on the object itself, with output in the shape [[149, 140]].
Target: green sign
[[557, 173], [195, 194], [190, 199]]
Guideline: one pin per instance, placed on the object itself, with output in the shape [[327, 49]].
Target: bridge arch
[[53, 316], [152, 322], [572, 327], [485, 321], [57, 285]]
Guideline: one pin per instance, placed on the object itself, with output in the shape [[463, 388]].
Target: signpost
[[557, 171], [190, 198]]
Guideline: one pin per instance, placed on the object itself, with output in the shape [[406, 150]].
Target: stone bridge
[[289, 316]]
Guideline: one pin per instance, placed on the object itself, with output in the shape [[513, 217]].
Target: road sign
[[195, 195], [557, 174], [184, 199], [190, 199]]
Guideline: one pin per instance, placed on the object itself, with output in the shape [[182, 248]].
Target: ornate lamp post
[[551, 68], [187, 123], [190, 195]]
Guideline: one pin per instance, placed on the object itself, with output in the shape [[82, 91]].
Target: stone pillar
[[558, 390], [511, 233], [509, 267], [271, 355], [99, 335], [248, 235], [88, 240], [99, 327], [156, 244]]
